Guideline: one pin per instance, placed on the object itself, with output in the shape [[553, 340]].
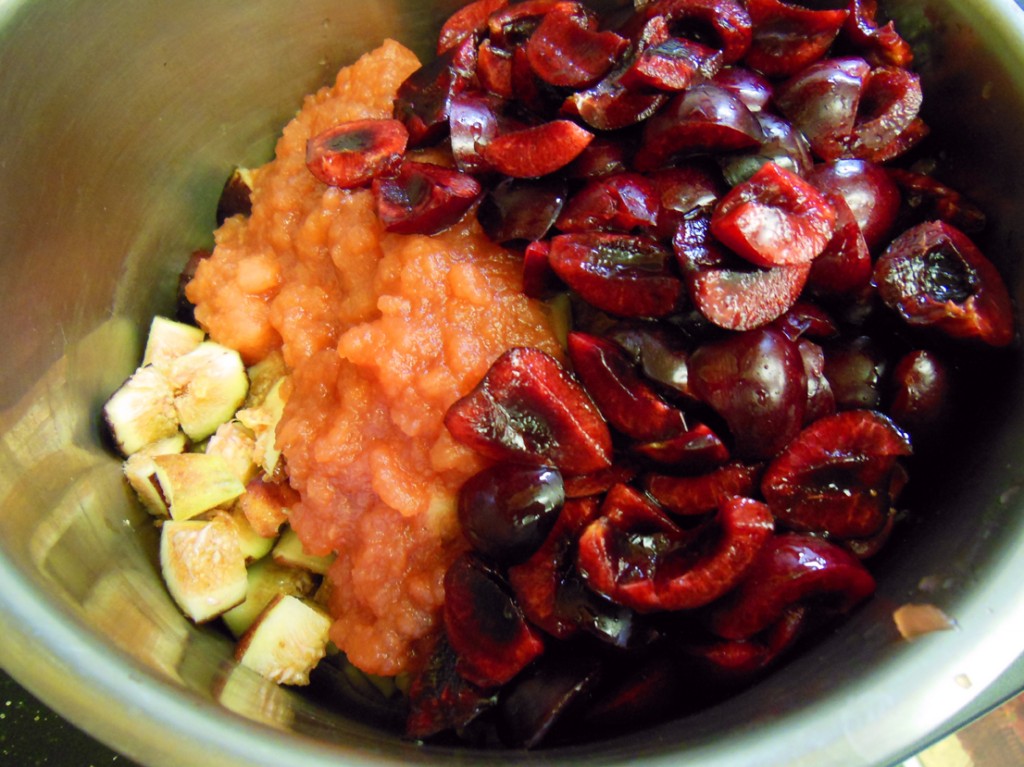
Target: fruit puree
[[382, 333]]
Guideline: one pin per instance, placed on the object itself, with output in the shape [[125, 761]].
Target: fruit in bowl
[[688, 429]]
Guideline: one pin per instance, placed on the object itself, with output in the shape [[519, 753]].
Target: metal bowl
[[121, 122]]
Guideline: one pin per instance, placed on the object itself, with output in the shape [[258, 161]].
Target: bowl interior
[[113, 156]]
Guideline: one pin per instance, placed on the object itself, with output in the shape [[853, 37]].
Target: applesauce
[[381, 333]]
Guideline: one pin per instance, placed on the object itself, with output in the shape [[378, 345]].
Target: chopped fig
[[933, 275], [142, 411], [352, 154], [485, 626], [262, 421], [236, 196], [210, 384], [253, 545], [915, 620], [236, 445], [203, 566], [286, 641], [528, 409], [266, 505], [290, 552], [140, 471], [266, 580], [168, 340], [194, 483]]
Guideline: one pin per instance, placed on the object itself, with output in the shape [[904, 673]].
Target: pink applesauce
[[381, 333]]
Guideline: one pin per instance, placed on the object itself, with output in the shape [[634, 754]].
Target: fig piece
[[704, 118], [625, 275], [692, 496], [352, 154], [286, 641], [643, 562], [567, 50], [210, 384], [734, 296], [628, 403], [756, 382], [507, 510], [537, 150], [528, 409], [203, 566], [422, 198], [522, 209], [788, 37], [774, 218], [933, 275], [621, 202], [141, 412], [837, 475], [484, 625], [792, 570], [440, 699]]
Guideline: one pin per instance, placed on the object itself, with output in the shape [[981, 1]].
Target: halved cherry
[[423, 100], [702, 494], [645, 565], [704, 118], [534, 704], [469, 21], [788, 37], [440, 699], [507, 510], [732, 660], [856, 371], [352, 154], [522, 209], [513, 23], [696, 449], [755, 381], [669, 63], [626, 275], [660, 350], [929, 199], [888, 107], [620, 202], [836, 476], [723, 24], [807, 319], [820, 399], [528, 409], [933, 275], [783, 145], [775, 218], [474, 119], [539, 279], [733, 295], [753, 88], [538, 150], [422, 198], [687, 190], [494, 70], [484, 624], [869, 191], [881, 45], [920, 392], [610, 105], [791, 570], [599, 482], [538, 581], [844, 266], [568, 50], [603, 156], [628, 403]]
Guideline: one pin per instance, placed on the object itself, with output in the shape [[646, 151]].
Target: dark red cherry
[[696, 449], [837, 476], [685, 191], [880, 45], [753, 88], [722, 24], [522, 209], [820, 399], [469, 21], [440, 699], [783, 145], [669, 63], [538, 150], [920, 392], [423, 100], [626, 275], [528, 409], [609, 105], [539, 279], [702, 494], [507, 510], [422, 198], [352, 154], [660, 350], [755, 381], [792, 570], [484, 624], [789, 37], [568, 50], [856, 370], [621, 202], [928, 199], [843, 268], [869, 191], [933, 276], [494, 70], [474, 120]]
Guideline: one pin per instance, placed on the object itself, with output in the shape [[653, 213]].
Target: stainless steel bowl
[[121, 121]]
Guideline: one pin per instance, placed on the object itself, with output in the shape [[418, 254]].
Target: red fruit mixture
[[723, 190]]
